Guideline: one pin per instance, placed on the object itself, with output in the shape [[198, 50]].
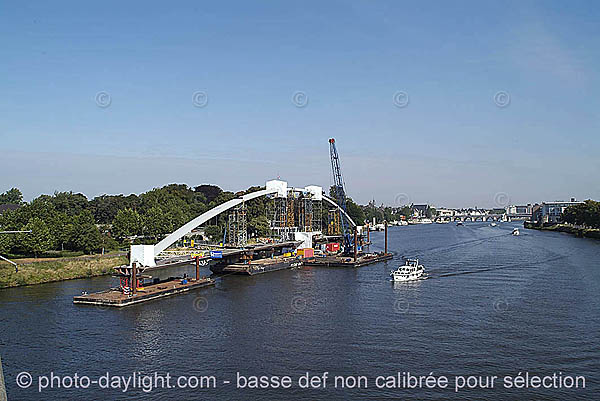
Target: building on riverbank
[[519, 212], [551, 212]]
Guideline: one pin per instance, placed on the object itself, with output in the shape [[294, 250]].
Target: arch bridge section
[[145, 255]]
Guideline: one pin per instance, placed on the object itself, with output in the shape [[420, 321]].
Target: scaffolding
[[333, 227], [305, 212], [277, 213], [291, 211], [317, 220], [297, 212], [237, 227]]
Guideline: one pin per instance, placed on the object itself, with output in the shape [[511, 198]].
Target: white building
[[551, 212]]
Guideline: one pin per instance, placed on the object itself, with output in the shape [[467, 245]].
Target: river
[[494, 305]]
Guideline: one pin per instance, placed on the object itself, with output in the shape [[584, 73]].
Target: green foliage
[[585, 214], [69, 203], [40, 238], [106, 207], [214, 233], [406, 211], [127, 223], [156, 222], [12, 196], [85, 235], [355, 211], [209, 192], [373, 212], [6, 243], [259, 226]]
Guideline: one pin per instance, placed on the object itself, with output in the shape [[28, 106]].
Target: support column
[[386, 230], [134, 278], [355, 239], [368, 234], [197, 268]]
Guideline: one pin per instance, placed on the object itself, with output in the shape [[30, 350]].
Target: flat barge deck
[[260, 266], [348, 261], [115, 297]]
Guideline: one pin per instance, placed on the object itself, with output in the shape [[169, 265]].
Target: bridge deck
[[228, 254]]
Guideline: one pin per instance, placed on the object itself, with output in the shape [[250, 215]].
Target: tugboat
[[411, 271]]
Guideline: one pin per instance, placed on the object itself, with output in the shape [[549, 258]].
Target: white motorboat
[[493, 224], [411, 271], [516, 232]]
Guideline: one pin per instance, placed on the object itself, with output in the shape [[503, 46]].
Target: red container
[[333, 247]]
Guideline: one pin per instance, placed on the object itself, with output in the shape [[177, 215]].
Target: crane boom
[[340, 192]]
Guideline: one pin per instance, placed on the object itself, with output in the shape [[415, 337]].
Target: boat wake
[[510, 266]]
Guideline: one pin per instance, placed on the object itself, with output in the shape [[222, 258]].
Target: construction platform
[[229, 255], [116, 298], [348, 261]]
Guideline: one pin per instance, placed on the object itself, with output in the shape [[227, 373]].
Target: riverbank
[[565, 228], [58, 270]]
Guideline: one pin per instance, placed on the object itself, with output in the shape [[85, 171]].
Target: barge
[[117, 298], [259, 266], [348, 261]]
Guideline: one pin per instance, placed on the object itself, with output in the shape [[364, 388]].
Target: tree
[[430, 212], [355, 212], [259, 226], [214, 233], [373, 212], [106, 207], [155, 222], [86, 237], [406, 211], [40, 238], [69, 203], [210, 192], [6, 243], [12, 196], [127, 223], [61, 227], [586, 213]]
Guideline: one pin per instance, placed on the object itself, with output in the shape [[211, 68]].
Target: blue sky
[[451, 145]]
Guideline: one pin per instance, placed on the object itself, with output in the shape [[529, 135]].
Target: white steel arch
[[206, 216]]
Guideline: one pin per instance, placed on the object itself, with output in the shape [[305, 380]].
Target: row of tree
[[584, 214], [67, 221]]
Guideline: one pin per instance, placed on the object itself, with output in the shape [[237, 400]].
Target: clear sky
[[451, 145]]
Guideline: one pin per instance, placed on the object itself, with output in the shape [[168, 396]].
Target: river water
[[495, 305]]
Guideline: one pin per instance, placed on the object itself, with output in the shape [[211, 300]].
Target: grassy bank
[[57, 270], [566, 228]]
